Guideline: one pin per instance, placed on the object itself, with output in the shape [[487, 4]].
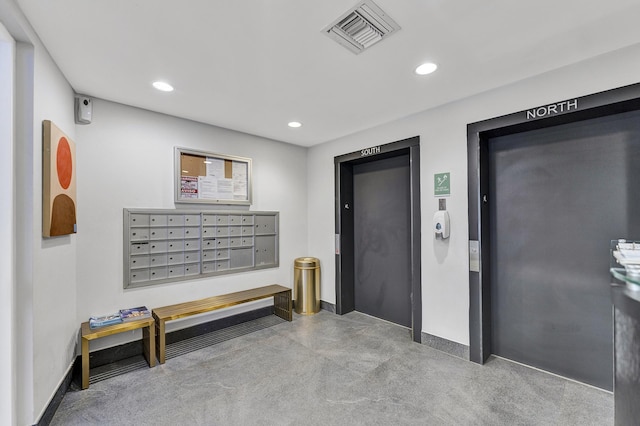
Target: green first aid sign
[[442, 184]]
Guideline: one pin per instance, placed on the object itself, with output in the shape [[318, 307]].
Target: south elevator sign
[[370, 151]]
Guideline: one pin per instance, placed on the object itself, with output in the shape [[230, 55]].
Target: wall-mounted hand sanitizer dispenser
[[441, 224]]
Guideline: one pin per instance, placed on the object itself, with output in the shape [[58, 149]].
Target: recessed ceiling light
[[162, 86], [426, 68], [294, 124]]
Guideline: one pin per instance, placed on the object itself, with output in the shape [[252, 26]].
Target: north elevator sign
[[552, 109]]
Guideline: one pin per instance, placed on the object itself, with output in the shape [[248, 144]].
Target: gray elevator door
[[382, 261], [559, 195]]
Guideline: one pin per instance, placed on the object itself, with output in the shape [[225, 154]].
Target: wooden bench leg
[[160, 341], [283, 306], [149, 342], [85, 363]]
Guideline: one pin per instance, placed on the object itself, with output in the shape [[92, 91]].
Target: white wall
[[54, 259], [125, 160], [442, 131], [23, 187], [44, 283], [7, 224]]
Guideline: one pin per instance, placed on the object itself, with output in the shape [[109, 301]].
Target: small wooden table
[[281, 301], [88, 333]]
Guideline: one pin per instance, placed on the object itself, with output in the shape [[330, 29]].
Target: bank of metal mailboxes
[[170, 245]]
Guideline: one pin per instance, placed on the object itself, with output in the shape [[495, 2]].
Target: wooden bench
[[88, 333], [281, 300]]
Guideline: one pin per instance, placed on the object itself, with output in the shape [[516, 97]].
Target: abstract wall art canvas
[[58, 182]]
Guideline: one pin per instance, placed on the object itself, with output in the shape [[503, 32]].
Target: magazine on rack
[[133, 314]]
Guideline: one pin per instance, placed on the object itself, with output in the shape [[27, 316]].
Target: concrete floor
[[328, 369]]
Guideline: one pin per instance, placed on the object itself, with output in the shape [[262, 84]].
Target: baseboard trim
[[328, 306], [452, 348], [131, 349], [208, 327], [54, 403], [323, 305]]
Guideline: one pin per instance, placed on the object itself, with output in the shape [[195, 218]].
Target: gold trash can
[[306, 285]]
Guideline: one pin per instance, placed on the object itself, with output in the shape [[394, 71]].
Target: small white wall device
[[84, 109], [441, 224]]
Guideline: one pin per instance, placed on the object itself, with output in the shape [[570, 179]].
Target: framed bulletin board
[[208, 178]]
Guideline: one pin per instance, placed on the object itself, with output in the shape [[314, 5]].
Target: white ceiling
[[253, 66]]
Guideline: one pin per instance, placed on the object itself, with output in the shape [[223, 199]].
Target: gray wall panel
[[559, 196], [382, 239]]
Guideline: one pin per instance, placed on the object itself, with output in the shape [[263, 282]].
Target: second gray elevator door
[[558, 196], [382, 260]]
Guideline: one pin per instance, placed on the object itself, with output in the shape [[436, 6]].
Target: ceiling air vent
[[362, 27]]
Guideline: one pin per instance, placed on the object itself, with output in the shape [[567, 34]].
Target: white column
[[7, 235]]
